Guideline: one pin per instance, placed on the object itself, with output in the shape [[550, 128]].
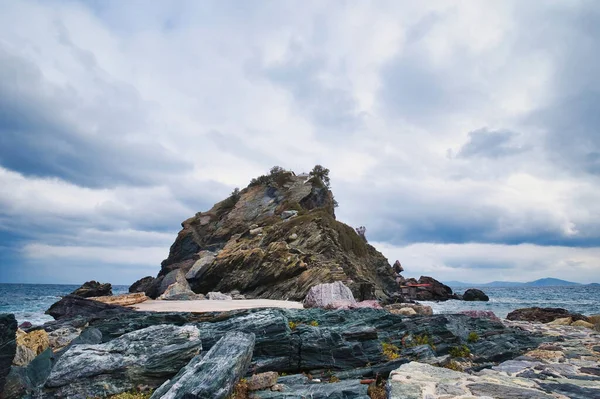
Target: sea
[[29, 301]]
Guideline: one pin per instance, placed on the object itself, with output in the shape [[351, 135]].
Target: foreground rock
[[297, 340], [563, 369], [93, 288], [543, 315], [473, 294], [72, 306], [122, 300], [329, 296], [8, 345], [145, 357], [214, 374], [302, 388]]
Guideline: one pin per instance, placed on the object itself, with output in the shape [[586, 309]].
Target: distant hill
[[543, 282]]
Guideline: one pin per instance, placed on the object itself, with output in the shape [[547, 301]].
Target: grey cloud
[[490, 144], [38, 135]]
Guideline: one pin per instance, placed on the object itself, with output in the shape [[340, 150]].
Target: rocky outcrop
[[8, 345], [142, 285], [93, 288], [543, 315], [72, 306], [473, 294], [432, 290], [558, 369], [123, 299], [214, 374], [329, 296], [275, 239], [145, 357]]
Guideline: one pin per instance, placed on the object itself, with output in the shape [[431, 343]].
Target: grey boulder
[[331, 295], [213, 375], [144, 357]]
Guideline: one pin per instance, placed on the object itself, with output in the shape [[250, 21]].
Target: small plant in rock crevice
[[390, 351], [422, 339], [452, 365], [473, 337], [460, 351]]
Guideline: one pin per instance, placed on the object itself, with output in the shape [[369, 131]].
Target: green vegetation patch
[[460, 351], [473, 337]]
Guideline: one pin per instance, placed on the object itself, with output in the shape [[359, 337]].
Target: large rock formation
[[274, 239]]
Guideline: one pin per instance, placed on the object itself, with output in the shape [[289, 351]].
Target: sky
[[463, 134]]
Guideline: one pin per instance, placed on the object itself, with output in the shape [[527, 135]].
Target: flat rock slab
[[350, 389], [202, 306], [144, 357], [214, 374]]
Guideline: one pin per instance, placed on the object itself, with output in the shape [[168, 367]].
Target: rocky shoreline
[[295, 353]]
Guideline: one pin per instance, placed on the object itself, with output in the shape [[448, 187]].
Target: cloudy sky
[[462, 134]]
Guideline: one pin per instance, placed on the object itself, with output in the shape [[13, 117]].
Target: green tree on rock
[[321, 173]]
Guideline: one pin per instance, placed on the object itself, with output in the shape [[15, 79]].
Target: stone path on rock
[[568, 368]]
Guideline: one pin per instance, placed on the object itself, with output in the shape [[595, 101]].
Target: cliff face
[[275, 239]]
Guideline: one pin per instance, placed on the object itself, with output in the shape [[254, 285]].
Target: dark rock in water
[[8, 345], [349, 389], [142, 285], [434, 291], [214, 374], [543, 315], [25, 325], [145, 357], [93, 288], [72, 306], [473, 294]]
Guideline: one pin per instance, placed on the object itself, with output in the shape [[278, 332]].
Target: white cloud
[[124, 120], [482, 263]]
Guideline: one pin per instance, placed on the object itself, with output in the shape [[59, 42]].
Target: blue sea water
[[579, 299], [28, 302]]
